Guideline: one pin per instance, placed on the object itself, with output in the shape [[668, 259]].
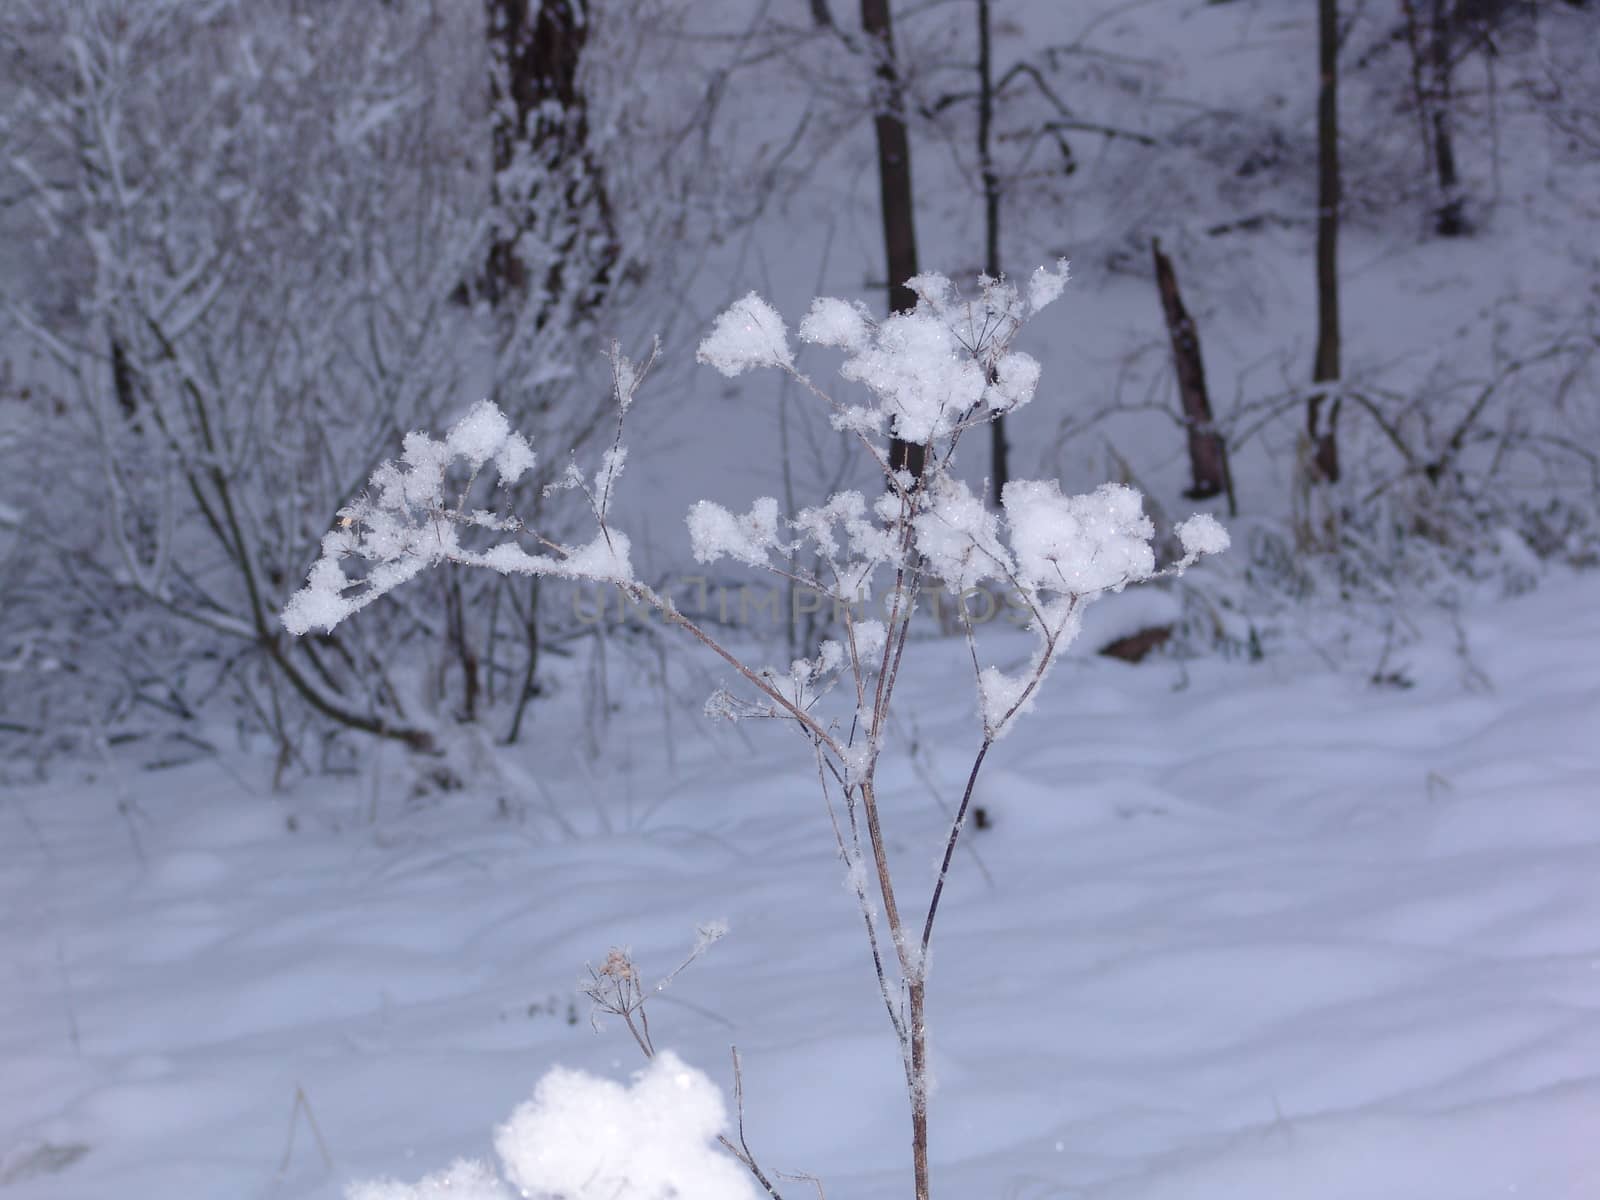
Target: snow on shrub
[[403, 523]]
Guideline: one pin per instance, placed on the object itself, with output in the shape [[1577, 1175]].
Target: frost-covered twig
[[742, 1151], [855, 877], [614, 989]]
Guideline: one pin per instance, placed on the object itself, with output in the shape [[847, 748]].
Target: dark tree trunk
[[124, 379], [460, 645], [1000, 467], [540, 130], [1450, 219], [1208, 457], [1432, 88], [1322, 416], [894, 182], [530, 675], [554, 252]]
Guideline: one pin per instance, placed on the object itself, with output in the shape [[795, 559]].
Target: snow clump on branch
[[403, 523]]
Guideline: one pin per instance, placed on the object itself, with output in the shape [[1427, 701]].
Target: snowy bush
[[240, 252], [231, 301], [929, 376]]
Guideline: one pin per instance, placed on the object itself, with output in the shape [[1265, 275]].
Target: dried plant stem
[[850, 853], [742, 1150], [670, 611], [956, 826], [302, 1104]]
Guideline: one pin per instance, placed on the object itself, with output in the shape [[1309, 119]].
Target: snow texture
[[1294, 970], [464, 1180], [1046, 285], [582, 1137], [959, 537], [586, 1138], [922, 380], [479, 435], [1078, 544], [1287, 969], [748, 334], [1201, 534], [716, 533], [834, 322]]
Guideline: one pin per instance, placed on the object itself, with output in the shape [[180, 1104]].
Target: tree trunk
[[1322, 417], [1208, 457], [540, 131], [124, 379], [554, 250], [1432, 93], [894, 183], [1000, 467], [1450, 219]]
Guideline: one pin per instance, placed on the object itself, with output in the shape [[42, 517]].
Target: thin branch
[[956, 826], [742, 1150], [851, 861]]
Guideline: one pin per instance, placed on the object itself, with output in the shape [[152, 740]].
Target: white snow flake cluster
[[1201, 534], [715, 533], [834, 322], [1078, 545], [944, 365], [749, 334], [959, 537], [1057, 554]]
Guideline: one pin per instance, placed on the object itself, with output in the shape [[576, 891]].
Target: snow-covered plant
[[926, 376]]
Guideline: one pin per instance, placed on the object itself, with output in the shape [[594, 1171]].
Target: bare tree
[[1322, 411]]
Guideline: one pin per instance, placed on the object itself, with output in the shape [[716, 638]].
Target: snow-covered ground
[[1234, 932]]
